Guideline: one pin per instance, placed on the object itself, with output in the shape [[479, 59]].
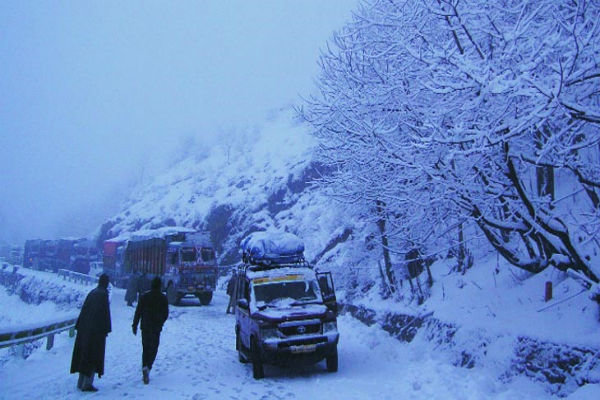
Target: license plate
[[309, 348]]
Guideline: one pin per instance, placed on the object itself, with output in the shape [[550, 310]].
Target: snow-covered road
[[197, 360]]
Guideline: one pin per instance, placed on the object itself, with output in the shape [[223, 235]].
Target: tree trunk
[[461, 249], [384, 244]]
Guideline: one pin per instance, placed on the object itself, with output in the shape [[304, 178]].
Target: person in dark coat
[[133, 287], [153, 310], [230, 291], [144, 284], [93, 325]]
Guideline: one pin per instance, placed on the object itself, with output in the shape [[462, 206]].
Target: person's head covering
[[156, 282], [103, 281]]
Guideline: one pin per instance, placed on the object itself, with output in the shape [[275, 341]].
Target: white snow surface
[[197, 358]]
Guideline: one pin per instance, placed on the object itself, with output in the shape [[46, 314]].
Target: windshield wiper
[[266, 305], [306, 300]]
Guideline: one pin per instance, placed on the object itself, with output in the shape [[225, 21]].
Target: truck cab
[[286, 313], [192, 270]]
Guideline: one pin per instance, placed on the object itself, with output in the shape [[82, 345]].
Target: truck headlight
[[269, 333], [330, 326]]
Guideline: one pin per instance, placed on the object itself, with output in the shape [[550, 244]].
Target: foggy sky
[[95, 94]]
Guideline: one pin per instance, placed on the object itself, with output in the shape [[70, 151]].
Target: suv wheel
[[257, 366], [332, 361]]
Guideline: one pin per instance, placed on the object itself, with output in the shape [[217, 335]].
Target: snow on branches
[[437, 112]]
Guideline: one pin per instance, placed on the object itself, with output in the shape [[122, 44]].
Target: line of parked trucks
[[52, 255], [183, 258]]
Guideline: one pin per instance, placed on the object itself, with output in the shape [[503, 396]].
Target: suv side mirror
[[243, 304], [333, 306]]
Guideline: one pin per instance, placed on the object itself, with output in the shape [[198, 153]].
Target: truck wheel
[[204, 297], [257, 366], [172, 295], [332, 361]]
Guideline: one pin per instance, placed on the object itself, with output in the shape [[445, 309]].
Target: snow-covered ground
[[500, 299], [197, 360]]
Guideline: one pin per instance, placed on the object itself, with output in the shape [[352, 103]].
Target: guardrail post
[[72, 331], [50, 341], [21, 350]]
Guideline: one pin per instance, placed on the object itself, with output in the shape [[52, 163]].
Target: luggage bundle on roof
[[271, 249]]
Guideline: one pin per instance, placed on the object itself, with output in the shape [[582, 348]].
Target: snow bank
[[36, 287]]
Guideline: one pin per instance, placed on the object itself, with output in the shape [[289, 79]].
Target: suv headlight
[[269, 333], [329, 326]]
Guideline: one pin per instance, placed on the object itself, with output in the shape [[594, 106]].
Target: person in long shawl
[[93, 325]]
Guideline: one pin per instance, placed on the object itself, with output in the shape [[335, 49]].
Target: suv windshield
[[293, 291], [188, 254]]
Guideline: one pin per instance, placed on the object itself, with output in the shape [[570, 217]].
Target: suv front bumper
[[299, 349]]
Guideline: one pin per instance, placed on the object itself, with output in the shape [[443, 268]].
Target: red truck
[[184, 260]]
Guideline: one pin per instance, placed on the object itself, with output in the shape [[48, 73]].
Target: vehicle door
[[243, 313], [327, 290]]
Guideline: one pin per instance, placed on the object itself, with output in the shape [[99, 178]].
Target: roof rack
[[264, 266]]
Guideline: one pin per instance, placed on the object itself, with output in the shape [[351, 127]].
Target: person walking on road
[[133, 287], [153, 310], [93, 325], [231, 287]]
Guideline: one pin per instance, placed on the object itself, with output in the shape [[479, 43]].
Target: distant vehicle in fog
[[96, 268], [54, 254], [11, 254]]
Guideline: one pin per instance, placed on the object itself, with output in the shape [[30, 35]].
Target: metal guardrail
[[24, 335], [77, 277], [19, 336]]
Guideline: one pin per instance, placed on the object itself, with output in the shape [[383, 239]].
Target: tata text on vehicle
[[184, 259], [286, 312]]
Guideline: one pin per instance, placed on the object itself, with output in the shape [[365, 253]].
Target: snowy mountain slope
[[255, 180]]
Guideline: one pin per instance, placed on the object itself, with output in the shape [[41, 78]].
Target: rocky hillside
[[251, 180]]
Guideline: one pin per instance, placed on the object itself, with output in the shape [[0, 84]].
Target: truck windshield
[[188, 254], [298, 291]]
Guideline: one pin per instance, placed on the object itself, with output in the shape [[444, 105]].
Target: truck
[[112, 261], [54, 254], [12, 254], [183, 258], [286, 310]]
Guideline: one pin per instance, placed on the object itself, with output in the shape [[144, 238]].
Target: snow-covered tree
[[436, 112]]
